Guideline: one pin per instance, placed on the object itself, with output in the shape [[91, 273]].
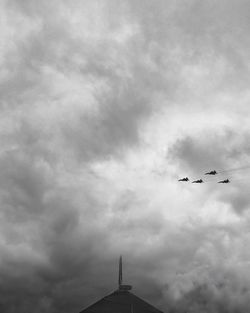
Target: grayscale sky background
[[104, 105]]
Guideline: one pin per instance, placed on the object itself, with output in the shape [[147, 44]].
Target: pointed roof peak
[[121, 300]]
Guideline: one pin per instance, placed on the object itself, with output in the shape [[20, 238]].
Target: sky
[[104, 106]]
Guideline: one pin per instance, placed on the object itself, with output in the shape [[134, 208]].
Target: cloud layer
[[104, 105]]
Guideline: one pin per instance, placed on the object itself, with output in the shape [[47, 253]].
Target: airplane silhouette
[[199, 181], [211, 173], [184, 179], [225, 181]]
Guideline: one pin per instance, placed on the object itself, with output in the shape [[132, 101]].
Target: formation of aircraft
[[230, 172], [200, 181]]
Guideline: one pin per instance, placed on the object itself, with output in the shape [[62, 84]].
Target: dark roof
[[121, 302]]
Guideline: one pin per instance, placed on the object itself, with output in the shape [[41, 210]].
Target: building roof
[[121, 302]]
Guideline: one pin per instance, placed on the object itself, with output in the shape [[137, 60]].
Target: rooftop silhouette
[[121, 301]]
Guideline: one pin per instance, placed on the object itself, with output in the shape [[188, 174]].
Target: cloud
[[206, 298], [223, 149], [199, 154], [92, 95]]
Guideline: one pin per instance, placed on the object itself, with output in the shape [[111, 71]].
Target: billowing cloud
[[104, 105]]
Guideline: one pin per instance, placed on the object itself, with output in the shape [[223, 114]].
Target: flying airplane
[[199, 181], [184, 179], [211, 173], [225, 181]]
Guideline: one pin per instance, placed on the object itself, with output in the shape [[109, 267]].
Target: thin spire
[[121, 286], [120, 272]]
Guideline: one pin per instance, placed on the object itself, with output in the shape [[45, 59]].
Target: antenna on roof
[[121, 286], [120, 272]]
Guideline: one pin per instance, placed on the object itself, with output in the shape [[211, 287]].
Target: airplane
[[225, 181], [211, 173], [184, 179], [199, 181]]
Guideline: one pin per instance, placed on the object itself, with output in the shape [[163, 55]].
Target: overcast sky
[[104, 106]]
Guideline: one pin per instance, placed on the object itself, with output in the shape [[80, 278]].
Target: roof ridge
[[114, 298]]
